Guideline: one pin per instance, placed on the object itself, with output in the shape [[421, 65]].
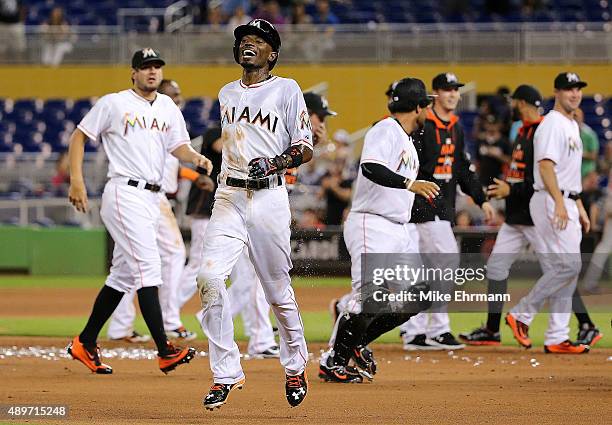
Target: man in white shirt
[[557, 213], [137, 127], [378, 224], [265, 131]]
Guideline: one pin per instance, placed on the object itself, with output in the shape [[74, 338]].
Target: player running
[[138, 127], [265, 131]]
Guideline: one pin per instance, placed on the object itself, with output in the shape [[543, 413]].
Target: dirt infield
[[493, 386], [78, 301]]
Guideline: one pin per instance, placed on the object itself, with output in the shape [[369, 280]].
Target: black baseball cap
[[318, 104], [568, 80], [144, 56], [445, 81], [407, 94], [260, 28], [529, 94]]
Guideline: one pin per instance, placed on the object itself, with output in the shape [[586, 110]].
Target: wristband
[[409, 183]]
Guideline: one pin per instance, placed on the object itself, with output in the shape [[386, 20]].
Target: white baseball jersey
[[558, 139], [261, 120], [388, 144], [171, 171], [136, 135]]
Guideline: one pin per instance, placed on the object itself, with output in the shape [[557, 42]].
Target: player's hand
[[263, 167], [205, 183], [584, 218], [560, 218], [202, 162], [489, 212], [424, 188], [500, 189], [319, 135], [77, 195]]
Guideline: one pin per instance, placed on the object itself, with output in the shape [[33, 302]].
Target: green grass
[[19, 281], [317, 325]]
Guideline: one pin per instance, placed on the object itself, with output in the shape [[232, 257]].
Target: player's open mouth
[[248, 53]]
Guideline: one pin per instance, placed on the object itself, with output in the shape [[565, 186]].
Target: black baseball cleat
[[418, 343], [296, 388], [588, 335], [363, 357], [218, 394], [445, 341], [481, 336], [340, 374]]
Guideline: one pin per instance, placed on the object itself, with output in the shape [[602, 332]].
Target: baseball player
[[137, 127], [265, 131], [517, 232], [171, 249], [443, 160], [378, 223], [557, 213]]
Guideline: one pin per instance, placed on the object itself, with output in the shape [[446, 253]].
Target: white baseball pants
[[434, 237], [260, 221], [172, 254], [369, 234], [561, 264]]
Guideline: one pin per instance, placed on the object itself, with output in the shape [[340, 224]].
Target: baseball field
[[495, 385]]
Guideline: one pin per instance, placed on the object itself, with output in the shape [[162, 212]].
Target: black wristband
[[293, 157]]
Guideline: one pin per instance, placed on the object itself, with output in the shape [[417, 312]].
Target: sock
[[580, 310], [151, 311], [106, 302], [496, 307]]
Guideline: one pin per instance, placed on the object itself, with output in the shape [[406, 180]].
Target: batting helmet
[[260, 28], [407, 94]]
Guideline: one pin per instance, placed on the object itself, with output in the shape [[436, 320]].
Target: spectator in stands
[[336, 189], [493, 152], [484, 110], [270, 10], [529, 7], [590, 144], [463, 219], [229, 6], [12, 28], [61, 180], [58, 38], [324, 15], [299, 15], [239, 17], [214, 16]]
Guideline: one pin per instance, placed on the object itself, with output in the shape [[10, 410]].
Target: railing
[[377, 43]]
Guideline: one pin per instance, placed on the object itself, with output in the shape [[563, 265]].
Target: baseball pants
[[561, 264], [369, 234], [260, 221], [434, 237], [172, 255], [246, 296]]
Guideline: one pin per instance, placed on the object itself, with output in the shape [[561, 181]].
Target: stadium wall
[[53, 251], [355, 91]]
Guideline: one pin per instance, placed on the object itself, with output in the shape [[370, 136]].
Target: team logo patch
[[305, 121], [572, 77], [148, 52]]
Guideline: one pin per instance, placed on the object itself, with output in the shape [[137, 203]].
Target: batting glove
[[264, 167]]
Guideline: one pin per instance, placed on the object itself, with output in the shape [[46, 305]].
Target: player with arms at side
[[138, 127], [378, 223], [265, 131], [557, 213]]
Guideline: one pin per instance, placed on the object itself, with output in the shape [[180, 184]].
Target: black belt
[[252, 184], [570, 195], [147, 186]]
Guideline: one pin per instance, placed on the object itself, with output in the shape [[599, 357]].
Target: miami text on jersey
[[134, 121], [268, 121]]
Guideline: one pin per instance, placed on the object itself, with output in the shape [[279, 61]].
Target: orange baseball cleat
[[90, 359]]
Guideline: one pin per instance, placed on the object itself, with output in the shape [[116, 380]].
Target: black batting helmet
[[260, 28]]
